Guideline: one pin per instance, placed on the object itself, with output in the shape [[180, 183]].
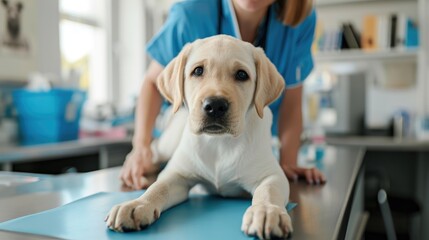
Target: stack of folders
[[378, 33]]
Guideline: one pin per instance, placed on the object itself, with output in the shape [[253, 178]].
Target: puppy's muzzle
[[215, 110]]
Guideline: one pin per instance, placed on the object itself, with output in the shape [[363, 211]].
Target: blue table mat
[[201, 217]]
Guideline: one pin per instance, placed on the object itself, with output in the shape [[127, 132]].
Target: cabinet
[[82, 155]]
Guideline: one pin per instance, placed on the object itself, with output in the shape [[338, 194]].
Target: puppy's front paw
[[132, 216], [266, 221]]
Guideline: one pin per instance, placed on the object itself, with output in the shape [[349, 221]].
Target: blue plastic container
[[46, 117]]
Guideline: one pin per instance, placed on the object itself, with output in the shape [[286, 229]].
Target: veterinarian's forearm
[[290, 126], [148, 106], [290, 148]]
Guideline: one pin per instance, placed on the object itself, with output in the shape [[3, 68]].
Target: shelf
[[326, 3], [360, 55]]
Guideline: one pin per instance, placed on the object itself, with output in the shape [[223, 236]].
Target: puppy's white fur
[[237, 160]]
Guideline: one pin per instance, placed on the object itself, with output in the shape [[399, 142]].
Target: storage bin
[[45, 117]]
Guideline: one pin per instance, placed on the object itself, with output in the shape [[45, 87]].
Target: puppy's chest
[[220, 167], [224, 180]]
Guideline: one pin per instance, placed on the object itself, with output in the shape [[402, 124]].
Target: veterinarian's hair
[[293, 12]]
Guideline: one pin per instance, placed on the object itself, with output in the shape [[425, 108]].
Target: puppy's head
[[220, 79]]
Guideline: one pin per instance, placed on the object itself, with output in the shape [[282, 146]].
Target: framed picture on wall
[[18, 29]]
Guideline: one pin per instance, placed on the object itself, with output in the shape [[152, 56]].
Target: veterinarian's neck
[[248, 22]]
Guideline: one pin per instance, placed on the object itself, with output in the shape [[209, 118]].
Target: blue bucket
[[46, 117]]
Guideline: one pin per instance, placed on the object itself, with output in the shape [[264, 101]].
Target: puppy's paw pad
[[266, 221], [131, 216], [126, 229]]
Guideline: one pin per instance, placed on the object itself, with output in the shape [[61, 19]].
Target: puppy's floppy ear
[[171, 80], [5, 3], [269, 82]]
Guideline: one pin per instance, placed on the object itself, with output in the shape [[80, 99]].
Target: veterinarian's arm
[[139, 161], [290, 127]]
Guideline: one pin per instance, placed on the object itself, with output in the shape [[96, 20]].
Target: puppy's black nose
[[215, 107]]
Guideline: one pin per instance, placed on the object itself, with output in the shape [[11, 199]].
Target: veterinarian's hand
[[312, 175], [137, 164]]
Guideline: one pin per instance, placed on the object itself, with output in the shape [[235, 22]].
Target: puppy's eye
[[241, 75], [198, 71]]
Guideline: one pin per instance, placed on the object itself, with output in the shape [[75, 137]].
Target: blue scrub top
[[289, 48]]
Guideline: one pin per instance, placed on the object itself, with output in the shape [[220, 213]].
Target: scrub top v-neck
[[261, 35], [289, 48]]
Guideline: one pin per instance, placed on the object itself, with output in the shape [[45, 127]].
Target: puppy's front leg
[[267, 217], [170, 189]]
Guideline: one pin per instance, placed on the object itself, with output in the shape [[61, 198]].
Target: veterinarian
[[283, 28]]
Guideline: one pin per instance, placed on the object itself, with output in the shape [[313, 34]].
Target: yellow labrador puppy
[[222, 135]]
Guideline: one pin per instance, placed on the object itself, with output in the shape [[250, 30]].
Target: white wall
[[129, 51], [40, 25], [48, 59], [138, 21]]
